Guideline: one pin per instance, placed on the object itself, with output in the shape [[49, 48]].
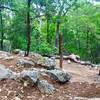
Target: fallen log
[[76, 59]]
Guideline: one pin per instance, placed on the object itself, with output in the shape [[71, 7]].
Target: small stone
[[0, 90], [25, 84], [17, 98], [80, 83], [96, 68], [69, 61]]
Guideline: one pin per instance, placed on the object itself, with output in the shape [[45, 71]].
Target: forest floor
[[85, 82]]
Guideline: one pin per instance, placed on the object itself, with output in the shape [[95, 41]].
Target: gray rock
[[45, 87], [36, 58], [31, 76], [48, 63], [5, 72], [24, 63], [21, 53], [15, 76], [16, 51], [58, 75]]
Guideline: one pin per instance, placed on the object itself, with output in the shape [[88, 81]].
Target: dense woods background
[[34, 25]]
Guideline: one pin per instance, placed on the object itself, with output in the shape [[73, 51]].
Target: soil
[[85, 82]]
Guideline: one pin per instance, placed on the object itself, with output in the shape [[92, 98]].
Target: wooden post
[[61, 49]]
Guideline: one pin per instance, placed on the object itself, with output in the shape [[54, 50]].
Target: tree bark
[[78, 40], [2, 33], [61, 49], [87, 44], [57, 34], [48, 35], [28, 28]]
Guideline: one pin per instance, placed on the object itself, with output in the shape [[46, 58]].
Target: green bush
[[45, 49]]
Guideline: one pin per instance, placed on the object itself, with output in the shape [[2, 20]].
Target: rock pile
[[32, 76], [37, 60]]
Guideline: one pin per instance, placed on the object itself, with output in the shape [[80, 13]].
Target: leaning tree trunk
[[57, 34], [2, 33], [28, 28]]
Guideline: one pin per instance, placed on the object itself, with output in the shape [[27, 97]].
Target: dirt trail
[[80, 73]]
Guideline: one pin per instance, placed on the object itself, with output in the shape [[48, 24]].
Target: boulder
[[30, 76], [58, 75], [37, 58], [16, 51], [21, 53], [5, 73], [45, 87], [24, 63], [48, 63]]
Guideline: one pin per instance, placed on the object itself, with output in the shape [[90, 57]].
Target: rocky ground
[[84, 83]]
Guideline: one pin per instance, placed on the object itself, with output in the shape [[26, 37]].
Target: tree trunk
[[87, 45], [28, 28], [2, 33], [78, 40], [57, 34], [61, 49], [48, 35]]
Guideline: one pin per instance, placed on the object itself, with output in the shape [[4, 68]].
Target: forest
[[49, 49], [35, 25]]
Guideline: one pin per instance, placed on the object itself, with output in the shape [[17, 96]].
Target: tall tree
[[28, 28], [2, 33], [63, 6], [49, 12]]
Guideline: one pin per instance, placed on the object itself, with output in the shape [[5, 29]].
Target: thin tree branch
[[5, 7], [67, 9]]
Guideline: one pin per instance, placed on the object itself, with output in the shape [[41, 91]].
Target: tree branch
[[5, 7], [67, 9]]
